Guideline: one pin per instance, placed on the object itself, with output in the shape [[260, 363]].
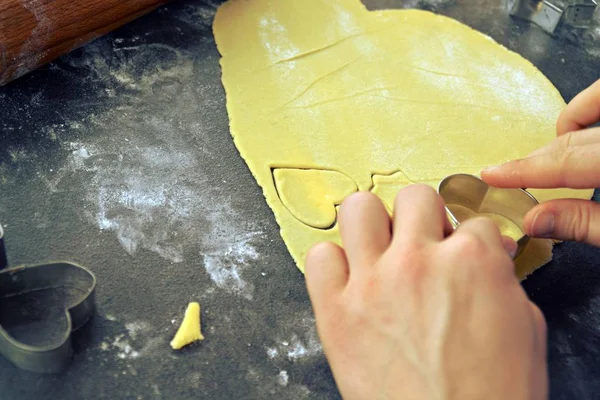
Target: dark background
[[118, 156]]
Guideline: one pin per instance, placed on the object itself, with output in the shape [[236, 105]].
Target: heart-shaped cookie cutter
[[472, 193], [24, 280]]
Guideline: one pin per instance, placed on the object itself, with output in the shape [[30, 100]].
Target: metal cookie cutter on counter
[[467, 196], [31, 297], [550, 14]]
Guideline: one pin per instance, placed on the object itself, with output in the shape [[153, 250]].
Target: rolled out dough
[[326, 98]]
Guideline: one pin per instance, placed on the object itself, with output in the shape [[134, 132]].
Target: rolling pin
[[35, 32]]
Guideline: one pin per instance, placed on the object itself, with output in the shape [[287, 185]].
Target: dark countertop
[[118, 156]]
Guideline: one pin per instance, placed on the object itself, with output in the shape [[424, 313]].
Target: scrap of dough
[[404, 94], [189, 331]]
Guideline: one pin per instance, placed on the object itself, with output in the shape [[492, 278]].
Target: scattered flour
[[199, 14], [125, 349], [150, 186], [134, 327], [133, 343], [283, 378], [593, 39], [272, 352], [300, 345], [299, 349], [224, 267], [146, 196]]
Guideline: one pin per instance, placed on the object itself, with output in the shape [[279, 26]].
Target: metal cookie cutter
[[467, 196], [30, 298], [549, 14]]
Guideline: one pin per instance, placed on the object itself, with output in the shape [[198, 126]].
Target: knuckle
[[360, 296], [564, 158], [411, 265], [468, 245], [566, 141], [579, 228]]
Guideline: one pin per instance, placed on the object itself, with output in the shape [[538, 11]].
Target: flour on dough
[[375, 100]]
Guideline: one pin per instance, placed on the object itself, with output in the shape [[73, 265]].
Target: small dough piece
[[189, 331], [383, 97]]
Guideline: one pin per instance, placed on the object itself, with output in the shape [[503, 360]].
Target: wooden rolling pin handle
[[34, 32]]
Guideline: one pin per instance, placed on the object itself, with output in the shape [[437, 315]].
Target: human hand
[[572, 160], [405, 311]]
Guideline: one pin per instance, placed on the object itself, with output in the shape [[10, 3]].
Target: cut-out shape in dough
[[328, 83], [311, 195], [189, 331], [386, 187]]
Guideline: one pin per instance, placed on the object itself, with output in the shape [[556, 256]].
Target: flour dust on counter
[[132, 342], [283, 378], [200, 14], [296, 341], [130, 345], [272, 385], [147, 197], [154, 192]]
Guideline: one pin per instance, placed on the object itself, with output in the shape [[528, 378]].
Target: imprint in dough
[[328, 85]]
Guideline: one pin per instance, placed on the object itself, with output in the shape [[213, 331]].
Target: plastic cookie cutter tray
[[467, 196], [40, 305]]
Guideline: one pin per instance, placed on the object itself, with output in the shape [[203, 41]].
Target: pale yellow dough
[[326, 98], [189, 331]]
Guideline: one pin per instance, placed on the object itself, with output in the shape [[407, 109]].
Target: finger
[[365, 228], [485, 230], [541, 330], [581, 112], [510, 246], [571, 139], [574, 168], [565, 219], [326, 273], [419, 214]]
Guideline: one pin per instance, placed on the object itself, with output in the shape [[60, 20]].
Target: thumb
[[565, 219]]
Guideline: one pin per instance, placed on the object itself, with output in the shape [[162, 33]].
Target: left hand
[[572, 160]]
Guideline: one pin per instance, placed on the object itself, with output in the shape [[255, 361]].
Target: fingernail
[[543, 225]]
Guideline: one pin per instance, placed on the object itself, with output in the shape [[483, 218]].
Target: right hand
[[572, 160], [407, 310]]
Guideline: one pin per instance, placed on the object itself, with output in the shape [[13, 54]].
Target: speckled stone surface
[[118, 156]]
